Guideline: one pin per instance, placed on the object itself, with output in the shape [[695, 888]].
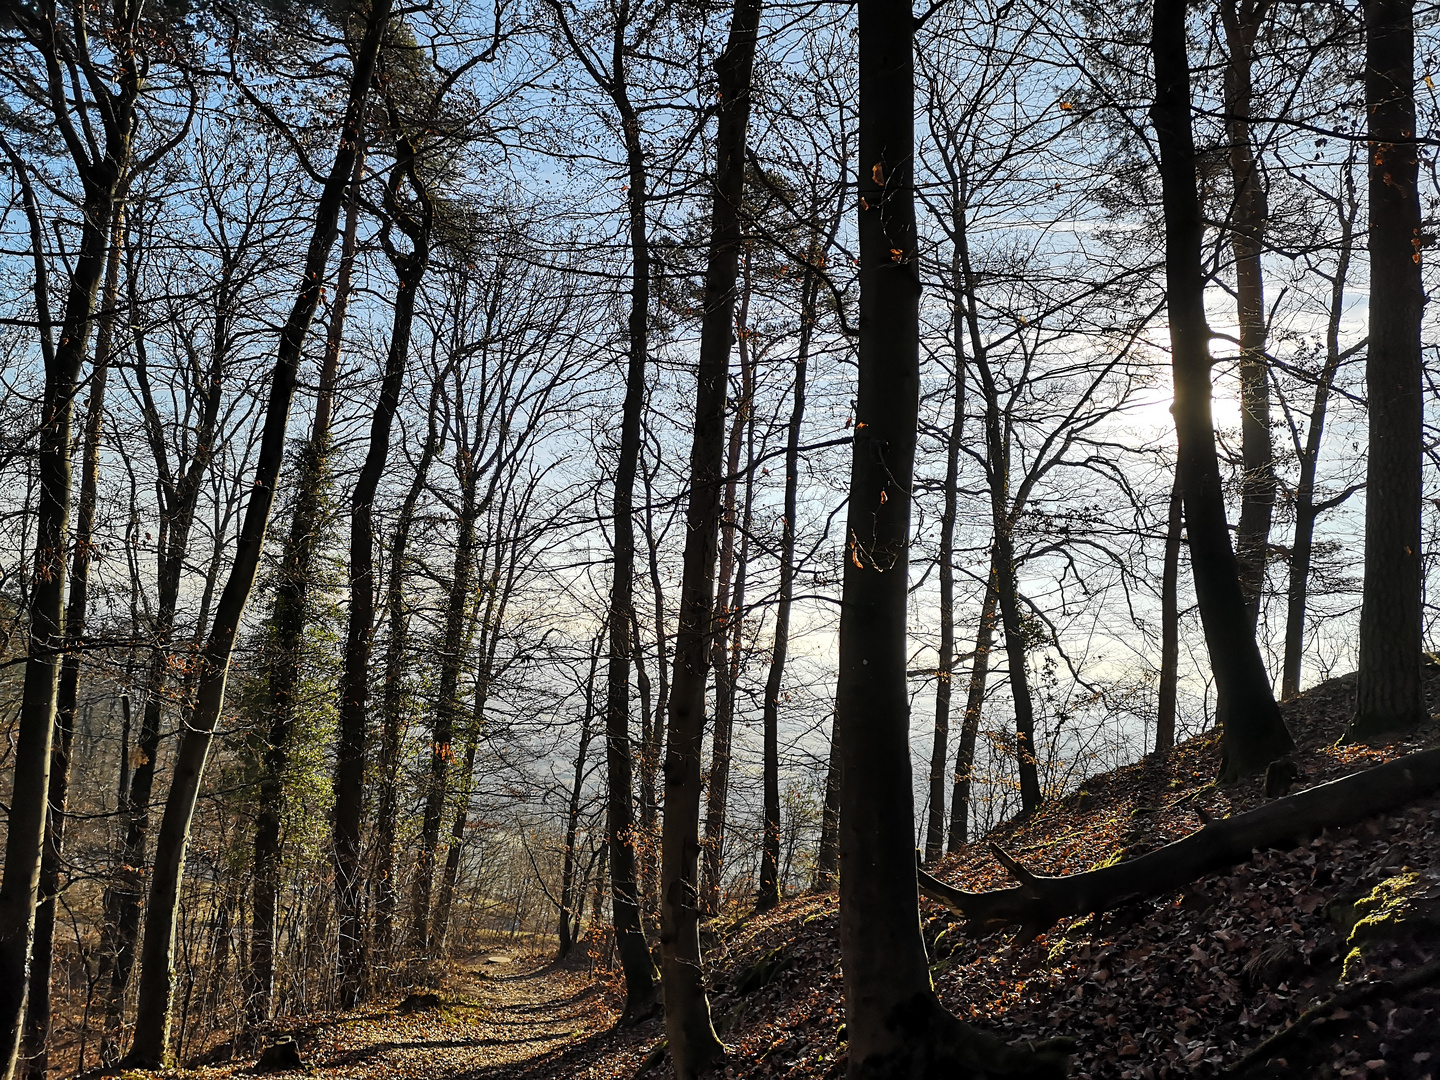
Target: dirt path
[[498, 1020]]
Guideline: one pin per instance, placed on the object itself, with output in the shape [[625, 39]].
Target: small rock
[[498, 960]]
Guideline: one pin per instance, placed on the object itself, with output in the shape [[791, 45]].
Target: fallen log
[[1039, 901]]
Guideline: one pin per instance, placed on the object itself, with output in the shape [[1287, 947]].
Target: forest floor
[[1181, 984]]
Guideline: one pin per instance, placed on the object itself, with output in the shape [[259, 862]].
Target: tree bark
[[693, 1045], [970, 727], [896, 1025], [1388, 695], [1254, 733], [152, 1025]]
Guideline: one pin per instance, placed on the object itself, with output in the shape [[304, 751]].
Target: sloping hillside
[[1182, 984]]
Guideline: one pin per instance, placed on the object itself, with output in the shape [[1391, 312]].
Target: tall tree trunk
[[827, 855], [1170, 623], [180, 491], [974, 706], [285, 635], [29, 795], [694, 1047], [727, 608], [1306, 508], [770, 881], [1008, 594], [732, 645], [393, 698], [360, 626], [37, 1010], [945, 661], [1242, 20], [152, 1025], [895, 1023], [572, 893], [1254, 733], [1388, 695], [443, 720]]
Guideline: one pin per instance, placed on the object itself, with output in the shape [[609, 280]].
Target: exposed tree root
[[1039, 901]]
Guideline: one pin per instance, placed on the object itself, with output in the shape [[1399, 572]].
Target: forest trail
[[499, 1017]]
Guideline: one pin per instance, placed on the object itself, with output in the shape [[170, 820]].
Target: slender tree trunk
[[1009, 600], [694, 1047], [450, 878], [770, 882], [1306, 509], [1242, 20], [152, 1026], [727, 609], [285, 635], [393, 703], [945, 661], [895, 1024], [827, 856], [360, 627], [1388, 695], [29, 796], [1170, 623], [570, 891], [1255, 734], [970, 725], [443, 721], [639, 969], [37, 1011]]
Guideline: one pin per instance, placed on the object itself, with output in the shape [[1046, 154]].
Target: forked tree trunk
[[1307, 510], [1242, 20], [1254, 733], [1170, 623], [152, 1024], [360, 626], [896, 1025], [285, 635], [1388, 695], [970, 725], [693, 1045], [37, 1009]]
